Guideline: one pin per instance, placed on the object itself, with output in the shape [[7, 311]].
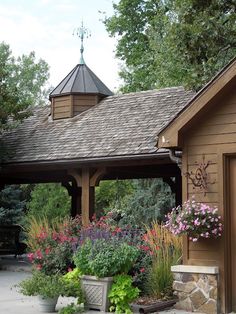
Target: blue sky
[[46, 27]]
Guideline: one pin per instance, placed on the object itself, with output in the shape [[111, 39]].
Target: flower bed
[[139, 260]]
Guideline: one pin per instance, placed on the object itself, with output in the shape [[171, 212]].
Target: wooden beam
[[97, 176], [76, 175]]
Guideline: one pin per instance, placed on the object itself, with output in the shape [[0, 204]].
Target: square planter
[[96, 292]]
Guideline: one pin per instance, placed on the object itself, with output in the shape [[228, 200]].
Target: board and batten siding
[[212, 135]]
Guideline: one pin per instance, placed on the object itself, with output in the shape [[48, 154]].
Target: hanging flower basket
[[197, 220]]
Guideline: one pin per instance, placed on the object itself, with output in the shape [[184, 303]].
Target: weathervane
[[82, 33]]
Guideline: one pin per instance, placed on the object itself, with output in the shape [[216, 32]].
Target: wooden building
[[205, 132], [88, 134]]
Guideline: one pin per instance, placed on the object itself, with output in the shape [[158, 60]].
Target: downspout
[[176, 157]]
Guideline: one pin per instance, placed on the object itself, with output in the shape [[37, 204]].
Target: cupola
[[80, 90]]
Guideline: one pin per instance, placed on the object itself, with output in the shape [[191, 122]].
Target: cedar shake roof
[[81, 80], [120, 125]]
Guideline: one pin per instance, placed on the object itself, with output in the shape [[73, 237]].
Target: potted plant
[[197, 220], [46, 287], [99, 259]]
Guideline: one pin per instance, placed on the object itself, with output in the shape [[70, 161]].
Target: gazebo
[[89, 134]]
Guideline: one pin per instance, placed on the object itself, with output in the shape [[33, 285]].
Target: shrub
[[52, 247], [41, 284], [71, 285], [105, 257]]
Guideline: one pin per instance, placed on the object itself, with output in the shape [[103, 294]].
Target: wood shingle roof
[[120, 125]]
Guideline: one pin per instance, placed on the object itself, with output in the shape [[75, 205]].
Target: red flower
[[142, 270], [47, 251], [39, 254], [145, 237], [39, 267], [144, 248]]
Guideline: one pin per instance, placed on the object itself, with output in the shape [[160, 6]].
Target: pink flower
[[30, 257], [142, 270], [39, 254]]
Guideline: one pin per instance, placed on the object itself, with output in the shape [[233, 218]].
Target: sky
[[46, 27]]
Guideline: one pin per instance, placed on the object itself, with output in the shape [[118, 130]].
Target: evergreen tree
[[49, 200], [12, 205]]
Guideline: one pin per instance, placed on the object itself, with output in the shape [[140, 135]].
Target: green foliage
[[48, 286], [22, 82], [110, 194], [71, 309], [151, 199], [172, 42], [122, 293], [49, 200], [72, 286], [12, 205], [105, 257]]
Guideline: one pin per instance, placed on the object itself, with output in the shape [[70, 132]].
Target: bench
[[10, 240]]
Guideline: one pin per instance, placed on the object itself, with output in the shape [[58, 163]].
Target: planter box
[[96, 292]]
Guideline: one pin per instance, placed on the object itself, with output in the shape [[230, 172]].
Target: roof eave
[[168, 137], [80, 162]]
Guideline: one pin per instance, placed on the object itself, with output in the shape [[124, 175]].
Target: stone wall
[[196, 288]]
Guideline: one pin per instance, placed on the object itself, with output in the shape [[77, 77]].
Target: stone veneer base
[[196, 288]]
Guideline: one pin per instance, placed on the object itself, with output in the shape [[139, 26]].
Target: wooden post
[[86, 180], [86, 196], [76, 201]]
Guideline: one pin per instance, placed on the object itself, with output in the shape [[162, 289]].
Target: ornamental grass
[[166, 250]]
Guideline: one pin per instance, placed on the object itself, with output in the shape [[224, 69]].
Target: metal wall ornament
[[200, 178]]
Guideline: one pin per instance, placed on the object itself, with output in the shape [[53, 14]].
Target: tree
[[111, 193], [49, 200], [22, 85], [12, 205], [172, 42], [151, 200]]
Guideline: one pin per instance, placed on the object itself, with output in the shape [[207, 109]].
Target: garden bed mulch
[[150, 305]]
